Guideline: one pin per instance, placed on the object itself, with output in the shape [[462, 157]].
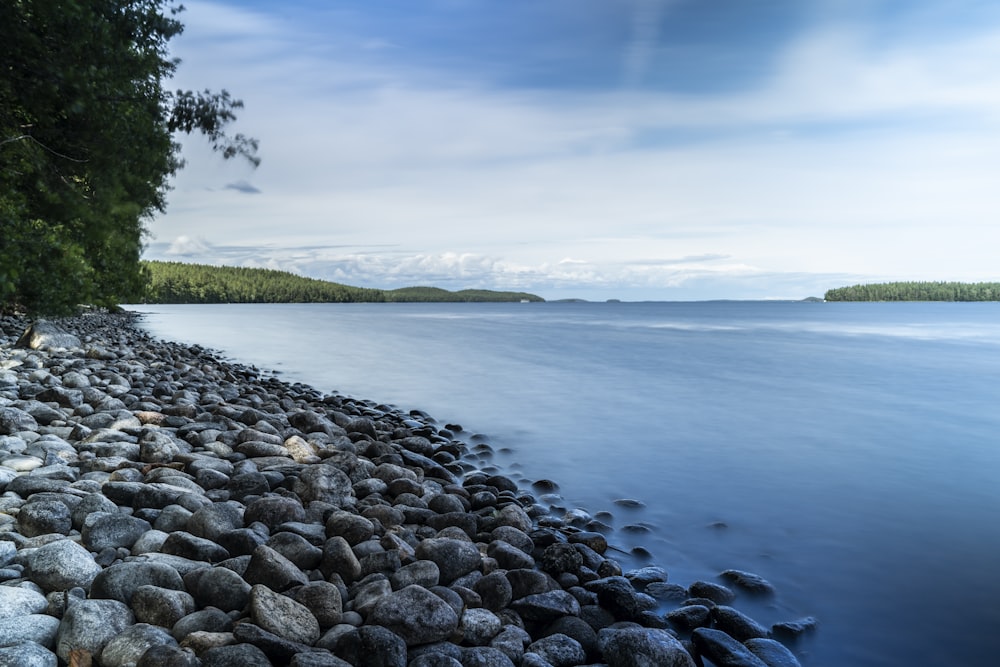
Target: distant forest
[[917, 291], [177, 282]]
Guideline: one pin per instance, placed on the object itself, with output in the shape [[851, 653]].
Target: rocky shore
[[161, 506]]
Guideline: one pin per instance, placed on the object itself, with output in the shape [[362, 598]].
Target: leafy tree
[[87, 147], [917, 291]]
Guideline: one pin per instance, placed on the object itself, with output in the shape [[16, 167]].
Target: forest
[[88, 143], [917, 291], [176, 282]]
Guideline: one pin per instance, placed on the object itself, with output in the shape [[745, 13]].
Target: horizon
[[639, 150]]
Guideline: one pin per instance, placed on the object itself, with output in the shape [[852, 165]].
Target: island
[[179, 282], [917, 291]]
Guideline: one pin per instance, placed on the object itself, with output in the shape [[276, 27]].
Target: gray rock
[[324, 483], [13, 420], [323, 600], [212, 521], [619, 596], [272, 511], [485, 656], [166, 655], [62, 565], [512, 640], [723, 650], [494, 590], [317, 659], [642, 647], [238, 655], [121, 580], [15, 602], [748, 581], [93, 503], [278, 649], [38, 628], [689, 617], [454, 558], [90, 624], [479, 626], [559, 650], [272, 569], [352, 527], [422, 573], [372, 646], [102, 530], [773, 653], [339, 559], [161, 606], [283, 616], [546, 607], [525, 582], [127, 647], [44, 517], [296, 549], [218, 587], [42, 334], [206, 620], [27, 654], [184, 544], [717, 593], [792, 629]]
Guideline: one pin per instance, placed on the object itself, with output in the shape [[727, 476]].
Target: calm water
[[851, 450]]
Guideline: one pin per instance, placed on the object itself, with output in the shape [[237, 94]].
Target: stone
[[44, 517], [62, 565], [323, 600], [15, 602], [90, 624], [559, 650], [296, 549], [38, 628], [161, 606], [27, 654], [793, 629], [454, 558], [126, 648], [772, 653], [339, 559], [216, 519], [485, 656], [372, 646], [324, 483], [619, 596], [689, 617], [748, 581], [101, 530], [167, 655], [272, 511], [546, 607], [283, 616], [218, 587], [736, 624], [717, 593], [642, 647], [479, 626], [723, 650], [495, 591], [237, 655], [13, 420], [278, 649], [511, 641], [210, 620], [352, 527], [271, 568], [184, 544], [121, 580]]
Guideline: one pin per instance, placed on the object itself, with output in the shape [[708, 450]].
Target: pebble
[[162, 507]]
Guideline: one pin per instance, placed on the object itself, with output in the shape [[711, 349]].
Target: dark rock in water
[[561, 557], [372, 645], [736, 624], [415, 614], [793, 629], [690, 617], [618, 596], [773, 653], [723, 650], [639, 647], [630, 503], [752, 583], [715, 592]]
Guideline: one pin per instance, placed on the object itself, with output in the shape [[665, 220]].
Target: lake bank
[[164, 481]]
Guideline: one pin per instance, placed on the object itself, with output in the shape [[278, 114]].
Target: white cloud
[[856, 157]]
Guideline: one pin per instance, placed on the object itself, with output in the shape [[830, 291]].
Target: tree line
[[917, 291], [177, 282], [87, 145]]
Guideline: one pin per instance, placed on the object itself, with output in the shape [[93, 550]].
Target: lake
[[847, 452]]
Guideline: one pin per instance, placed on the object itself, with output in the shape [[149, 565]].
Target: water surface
[[849, 450]]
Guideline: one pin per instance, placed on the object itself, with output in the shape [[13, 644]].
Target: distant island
[[178, 282], [917, 291]]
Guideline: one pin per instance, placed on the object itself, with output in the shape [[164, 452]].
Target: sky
[[596, 149]]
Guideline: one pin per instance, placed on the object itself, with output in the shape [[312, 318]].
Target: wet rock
[[736, 624], [724, 650], [717, 593], [639, 647], [689, 617], [618, 596], [793, 629], [772, 653], [752, 583]]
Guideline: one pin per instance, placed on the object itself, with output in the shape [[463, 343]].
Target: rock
[[642, 647], [283, 616], [689, 617], [101, 530], [324, 483], [479, 626], [238, 655], [723, 650], [90, 624], [339, 559], [44, 517], [272, 569], [323, 600], [167, 655], [13, 420], [372, 645], [27, 654], [15, 602], [715, 592], [511, 641], [210, 620], [485, 656], [161, 606], [793, 629], [121, 580], [184, 544], [42, 334], [559, 650], [736, 624], [546, 607], [127, 647], [297, 550], [218, 587], [62, 565], [278, 649], [752, 583], [454, 558], [618, 596], [38, 628], [351, 527], [216, 519], [772, 653]]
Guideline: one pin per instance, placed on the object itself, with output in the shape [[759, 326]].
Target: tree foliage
[[917, 291], [176, 282], [87, 145]]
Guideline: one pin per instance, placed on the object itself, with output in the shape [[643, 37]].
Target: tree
[[87, 145]]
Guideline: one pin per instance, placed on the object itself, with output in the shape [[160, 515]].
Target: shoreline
[[217, 513]]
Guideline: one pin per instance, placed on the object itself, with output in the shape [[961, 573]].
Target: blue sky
[[633, 149]]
